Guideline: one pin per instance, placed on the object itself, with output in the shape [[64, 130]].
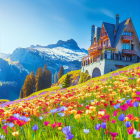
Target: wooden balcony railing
[[103, 34], [126, 38]]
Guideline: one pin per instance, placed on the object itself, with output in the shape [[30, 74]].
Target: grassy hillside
[[103, 108], [73, 77]]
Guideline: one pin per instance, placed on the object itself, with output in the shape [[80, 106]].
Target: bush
[[84, 77], [66, 82]]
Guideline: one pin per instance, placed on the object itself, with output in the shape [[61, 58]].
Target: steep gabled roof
[[119, 31], [110, 31]]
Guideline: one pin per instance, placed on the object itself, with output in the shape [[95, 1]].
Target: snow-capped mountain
[[59, 53], [4, 55], [69, 44], [24, 60], [66, 53]]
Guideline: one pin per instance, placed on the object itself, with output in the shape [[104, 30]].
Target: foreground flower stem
[[103, 134]]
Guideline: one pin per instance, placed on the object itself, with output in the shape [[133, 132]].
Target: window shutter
[[105, 54]]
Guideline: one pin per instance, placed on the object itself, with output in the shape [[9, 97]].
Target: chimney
[[92, 33], [117, 22]]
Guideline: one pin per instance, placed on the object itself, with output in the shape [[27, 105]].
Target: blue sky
[[43, 22]]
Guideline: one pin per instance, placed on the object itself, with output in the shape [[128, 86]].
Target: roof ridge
[[124, 20], [108, 23]]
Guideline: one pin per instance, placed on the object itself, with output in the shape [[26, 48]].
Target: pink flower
[[124, 107], [107, 117], [46, 123], [138, 92], [130, 130], [130, 116], [138, 99], [54, 125], [113, 121], [115, 113], [6, 131], [113, 134], [59, 124], [4, 127], [106, 131]]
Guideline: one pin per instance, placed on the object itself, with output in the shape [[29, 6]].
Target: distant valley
[[24, 60]]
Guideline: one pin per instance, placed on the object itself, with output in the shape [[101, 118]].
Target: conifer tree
[[33, 81], [38, 79], [27, 87], [55, 77], [21, 93], [61, 72], [66, 82], [45, 67]]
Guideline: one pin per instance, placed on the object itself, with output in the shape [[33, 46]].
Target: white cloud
[[107, 12], [57, 18]]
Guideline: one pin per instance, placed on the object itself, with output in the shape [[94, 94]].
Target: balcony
[[125, 51], [104, 35], [127, 38], [95, 48]]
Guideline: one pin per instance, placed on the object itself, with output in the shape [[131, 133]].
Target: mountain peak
[[60, 42]]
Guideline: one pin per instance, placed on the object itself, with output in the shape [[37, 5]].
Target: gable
[[110, 31], [129, 26], [119, 31], [126, 24]]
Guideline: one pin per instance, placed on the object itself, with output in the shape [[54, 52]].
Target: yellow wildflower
[[15, 133], [78, 116], [101, 113], [59, 128]]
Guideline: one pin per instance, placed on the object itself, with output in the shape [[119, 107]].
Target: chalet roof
[[110, 31], [119, 31]]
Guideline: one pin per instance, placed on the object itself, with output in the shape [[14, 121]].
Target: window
[[130, 33], [108, 54], [123, 47], [104, 42], [123, 33], [127, 46], [126, 32]]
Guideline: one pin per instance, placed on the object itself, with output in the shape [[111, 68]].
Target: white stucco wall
[[90, 68], [105, 66]]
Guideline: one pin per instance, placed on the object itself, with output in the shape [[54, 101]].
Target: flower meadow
[[106, 109]]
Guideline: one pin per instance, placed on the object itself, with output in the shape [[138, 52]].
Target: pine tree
[[45, 67], [55, 77], [66, 82], [61, 72], [33, 81], [38, 79], [27, 87], [21, 93]]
